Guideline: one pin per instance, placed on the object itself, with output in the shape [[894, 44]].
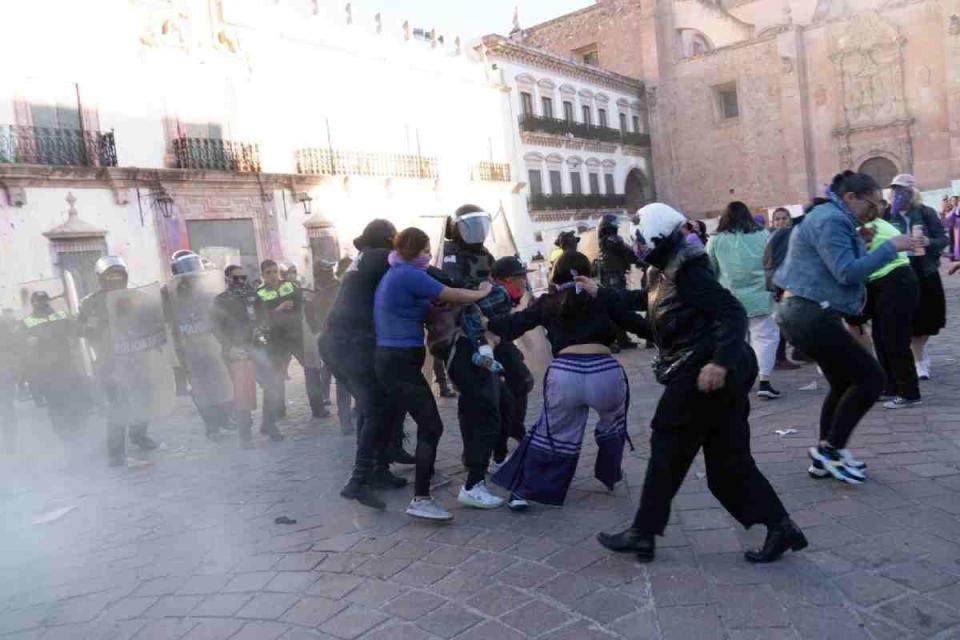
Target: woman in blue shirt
[[403, 300], [823, 278]]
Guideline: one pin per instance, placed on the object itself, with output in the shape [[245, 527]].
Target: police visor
[[474, 227]]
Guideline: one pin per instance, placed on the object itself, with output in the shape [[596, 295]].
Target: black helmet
[[378, 234], [608, 224], [509, 266], [185, 261], [469, 225]]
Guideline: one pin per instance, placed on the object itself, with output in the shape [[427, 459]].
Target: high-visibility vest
[[32, 321], [269, 295]]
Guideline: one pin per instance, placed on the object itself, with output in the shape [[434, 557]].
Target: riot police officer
[[94, 324], [467, 263], [615, 261]]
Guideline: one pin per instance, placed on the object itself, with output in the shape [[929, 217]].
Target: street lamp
[[303, 198], [164, 201]]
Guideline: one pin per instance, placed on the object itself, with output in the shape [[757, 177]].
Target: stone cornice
[[499, 47], [28, 175], [564, 142], [846, 131]]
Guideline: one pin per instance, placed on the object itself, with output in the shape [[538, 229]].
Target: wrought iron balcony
[[54, 146], [215, 154], [561, 127], [637, 139], [576, 202], [330, 162], [491, 171]]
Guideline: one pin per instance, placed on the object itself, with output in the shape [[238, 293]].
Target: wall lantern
[[303, 198]]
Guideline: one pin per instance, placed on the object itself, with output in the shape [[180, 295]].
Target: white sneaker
[[428, 509], [495, 466], [850, 461], [479, 497], [923, 370], [517, 504]]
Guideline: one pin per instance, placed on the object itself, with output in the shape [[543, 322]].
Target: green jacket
[[737, 259]]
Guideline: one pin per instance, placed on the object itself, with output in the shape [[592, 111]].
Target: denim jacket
[[827, 261]]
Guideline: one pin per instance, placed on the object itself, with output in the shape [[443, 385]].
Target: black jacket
[[239, 319], [774, 255], [352, 311], [927, 218]]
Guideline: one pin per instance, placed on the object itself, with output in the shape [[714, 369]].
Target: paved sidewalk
[[188, 548]]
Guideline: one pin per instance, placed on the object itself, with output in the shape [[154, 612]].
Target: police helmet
[[659, 221], [185, 261], [469, 224], [106, 263]]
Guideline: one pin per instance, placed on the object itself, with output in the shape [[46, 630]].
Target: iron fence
[[573, 202], [491, 171], [216, 154], [55, 146], [330, 162]]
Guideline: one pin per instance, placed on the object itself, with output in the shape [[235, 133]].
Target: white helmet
[[109, 262], [658, 221]]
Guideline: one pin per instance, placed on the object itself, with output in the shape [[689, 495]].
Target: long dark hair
[[571, 304], [737, 219]]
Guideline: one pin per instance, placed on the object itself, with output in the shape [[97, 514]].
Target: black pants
[[399, 371], [478, 410], [351, 360], [514, 392], [343, 396], [686, 420], [855, 378], [439, 373], [892, 300], [63, 391]]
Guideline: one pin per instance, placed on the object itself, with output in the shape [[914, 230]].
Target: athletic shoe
[[383, 479], [850, 461], [428, 509], [357, 490], [767, 391], [517, 503], [886, 396], [923, 370], [902, 403], [817, 471], [834, 464], [495, 466], [479, 497]]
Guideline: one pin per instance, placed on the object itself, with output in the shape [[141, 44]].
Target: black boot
[[630, 541], [780, 537], [357, 489], [383, 479], [139, 437]]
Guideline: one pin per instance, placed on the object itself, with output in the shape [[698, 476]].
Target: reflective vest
[[32, 321], [269, 295]]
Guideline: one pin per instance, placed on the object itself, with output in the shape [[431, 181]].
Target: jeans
[[687, 420], [765, 338], [855, 378], [892, 300], [399, 370], [478, 410]]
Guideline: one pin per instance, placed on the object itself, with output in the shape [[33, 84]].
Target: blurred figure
[[316, 309], [94, 324], [691, 236], [566, 241], [913, 218], [616, 259], [780, 219], [11, 347], [736, 255], [52, 364], [239, 322]]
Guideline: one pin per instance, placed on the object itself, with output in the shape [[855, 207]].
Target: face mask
[[901, 201], [421, 262]]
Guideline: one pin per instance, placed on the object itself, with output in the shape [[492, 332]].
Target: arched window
[[880, 169]]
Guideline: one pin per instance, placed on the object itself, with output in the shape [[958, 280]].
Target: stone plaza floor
[[187, 547]]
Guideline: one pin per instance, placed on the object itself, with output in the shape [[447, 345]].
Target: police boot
[[139, 437], [359, 489], [630, 541]]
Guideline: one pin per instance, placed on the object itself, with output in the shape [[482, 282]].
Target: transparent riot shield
[[138, 372], [190, 303], [73, 306]]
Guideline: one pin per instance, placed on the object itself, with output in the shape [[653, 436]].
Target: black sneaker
[[835, 465], [383, 479], [767, 391], [362, 493]]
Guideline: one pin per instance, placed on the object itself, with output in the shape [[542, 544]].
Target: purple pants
[[543, 466]]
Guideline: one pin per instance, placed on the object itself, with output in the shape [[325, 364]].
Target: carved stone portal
[[867, 58]]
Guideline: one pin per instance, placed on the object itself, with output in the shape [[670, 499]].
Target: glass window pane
[[556, 183], [536, 181], [587, 115], [576, 186], [594, 184], [608, 181]]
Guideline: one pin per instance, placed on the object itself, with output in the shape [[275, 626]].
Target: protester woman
[[736, 254], [582, 376], [822, 279], [780, 219], [403, 300], [913, 218], [707, 369]]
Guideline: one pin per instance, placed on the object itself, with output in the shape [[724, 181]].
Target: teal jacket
[[737, 259]]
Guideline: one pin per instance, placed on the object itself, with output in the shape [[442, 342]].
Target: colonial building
[[243, 130], [764, 100], [579, 135]]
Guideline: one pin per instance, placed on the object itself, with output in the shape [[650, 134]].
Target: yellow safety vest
[[32, 321], [268, 295]]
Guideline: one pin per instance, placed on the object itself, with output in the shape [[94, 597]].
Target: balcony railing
[[215, 154], [636, 139], [592, 202], [53, 146], [491, 171], [330, 162], [560, 127]]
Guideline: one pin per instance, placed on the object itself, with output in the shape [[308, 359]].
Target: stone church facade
[[764, 100]]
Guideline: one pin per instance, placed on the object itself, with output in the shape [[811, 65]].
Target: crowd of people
[[724, 311]]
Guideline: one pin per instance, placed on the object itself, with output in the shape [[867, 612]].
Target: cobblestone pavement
[[188, 547]]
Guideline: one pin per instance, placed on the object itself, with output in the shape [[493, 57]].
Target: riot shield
[[73, 305], [138, 373], [190, 302]]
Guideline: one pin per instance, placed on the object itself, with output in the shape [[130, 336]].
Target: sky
[[471, 18]]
